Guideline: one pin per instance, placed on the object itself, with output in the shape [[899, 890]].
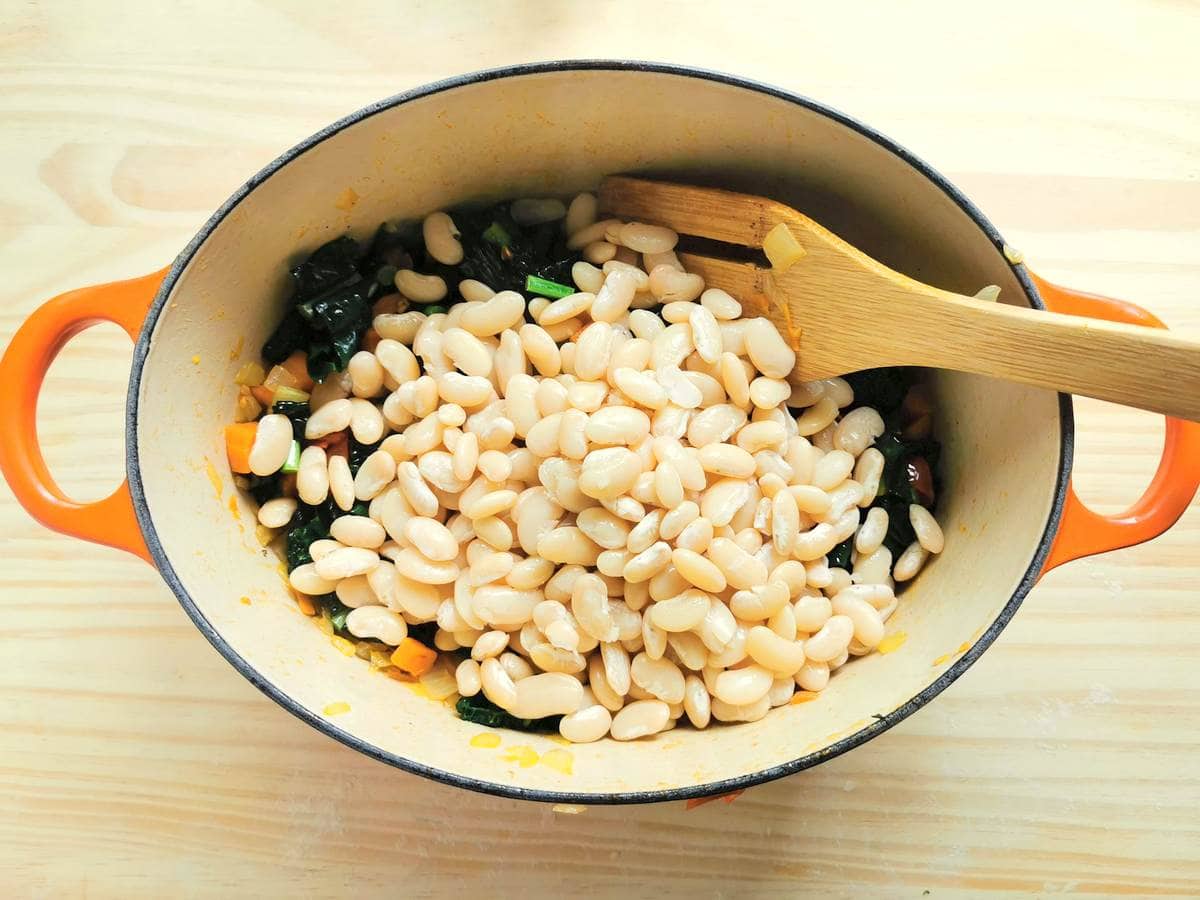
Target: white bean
[[441, 239], [272, 444]]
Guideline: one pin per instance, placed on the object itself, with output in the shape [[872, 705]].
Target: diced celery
[[293, 461]]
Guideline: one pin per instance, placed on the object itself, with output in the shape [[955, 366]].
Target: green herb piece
[[546, 288], [480, 710], [337, 611], [435, 309]]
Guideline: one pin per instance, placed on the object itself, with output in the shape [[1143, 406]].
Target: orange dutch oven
[[1007, 507]]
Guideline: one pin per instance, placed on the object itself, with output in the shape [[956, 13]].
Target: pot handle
[[110, 521], [1086, 533]]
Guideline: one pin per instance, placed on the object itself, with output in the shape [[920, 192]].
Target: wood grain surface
[[135, 762]]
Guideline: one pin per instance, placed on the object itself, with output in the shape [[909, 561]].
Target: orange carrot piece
[[297, 365], [413, 657], [264, 395], [239, 439], [306, 605]]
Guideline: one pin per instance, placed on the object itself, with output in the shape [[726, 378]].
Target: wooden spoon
[[843, 311]]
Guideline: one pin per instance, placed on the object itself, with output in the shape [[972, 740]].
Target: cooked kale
[[883, 389], [311, 528], [337, 611], [896, 490], [263, 488], [482, 711], [296, 410], [839, 556], [330, 309], [502, 254]]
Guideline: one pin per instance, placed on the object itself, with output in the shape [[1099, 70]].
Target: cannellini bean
[[668, 284], [346, 562], [467, 352], [307, 580], [587, 277], [608, 473], [272, 444], [617, 425], [341, 482], [698, 570], [421, 288], [498, 686], [585, 725], [375, 474], [500, 312], [872, 531], [599, 252], [277, 513], [658, 677], [640, 387], [647, 238], [929, 533], [682, 612], [432, 538], [640, 719], [402, 327], [537, 211], [817, 417], [357, 531], [441, 239], [333, 416], [412, 564], [614, 296], [546, 694], [467, 678], [743, 687], [857, 430], [581, 214], [312, 477], [377, 622], [769, 650], [565, 309], [832, 469], [648, 563], [366, 374], [910, 562], [868, 626], [831, 640]]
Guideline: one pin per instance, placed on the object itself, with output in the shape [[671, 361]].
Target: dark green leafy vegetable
[[482, 711], [502, 254], [301, 537], [331, 308], [839, 556], [296, 410], [263, 488], [883, 389], [896, 490], [497, 234], [337, 611]]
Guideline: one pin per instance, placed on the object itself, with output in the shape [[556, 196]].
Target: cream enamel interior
[[555, 133]]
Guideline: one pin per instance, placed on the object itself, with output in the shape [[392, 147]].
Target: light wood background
[[135, 762]]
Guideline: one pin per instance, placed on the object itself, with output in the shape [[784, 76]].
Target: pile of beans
[[613, 508]]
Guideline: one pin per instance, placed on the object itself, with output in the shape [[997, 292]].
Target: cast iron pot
[[1006, 507]]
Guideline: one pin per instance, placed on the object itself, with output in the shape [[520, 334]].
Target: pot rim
[[714, 788]]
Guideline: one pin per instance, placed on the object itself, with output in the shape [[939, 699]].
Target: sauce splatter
[[892, 642], [214, 476], [237, 349], [345, 647], [196, 360], [522, 755], [559, 760], [486, 740], [346, 199], [941, 659], [805, 697], [245, 601], [336, 709]]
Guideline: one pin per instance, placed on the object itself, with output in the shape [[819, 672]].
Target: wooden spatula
[[842, 311]]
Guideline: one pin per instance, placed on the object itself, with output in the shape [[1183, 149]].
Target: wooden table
[[135, 762]]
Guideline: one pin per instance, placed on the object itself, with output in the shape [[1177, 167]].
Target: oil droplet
[[486, 740], [196, 360], [892, 642], [805, 697], [941, 659], [559, 760], [963, 647], [245, 601], [214, 476], [336, 709], [346, 200], [522, 755], [233, 506]]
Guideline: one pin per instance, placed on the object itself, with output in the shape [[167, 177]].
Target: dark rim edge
[[708, 789]]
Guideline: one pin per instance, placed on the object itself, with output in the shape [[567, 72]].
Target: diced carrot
[[239, 439], [370, 340], [297, 364], [305, 603], [335, 444], [264, 395], [413, 657]]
